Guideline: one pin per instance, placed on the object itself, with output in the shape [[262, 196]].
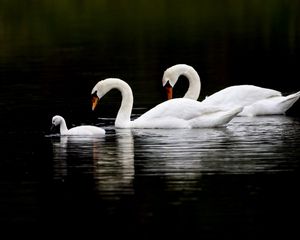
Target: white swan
[[85, 130], [174, 113], [255, 100]]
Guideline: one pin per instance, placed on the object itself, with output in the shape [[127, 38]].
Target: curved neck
[[63, 127], [194, 89], [124, 113]]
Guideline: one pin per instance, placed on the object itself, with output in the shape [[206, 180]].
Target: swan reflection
[[115, 170], [178, 156], [247, 145], [109, 161]]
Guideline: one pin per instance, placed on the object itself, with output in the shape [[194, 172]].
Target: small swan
[[255, 100], [85, 130], [174, 113]]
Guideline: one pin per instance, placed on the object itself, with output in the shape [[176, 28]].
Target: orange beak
[[95, 101], [169, 91]]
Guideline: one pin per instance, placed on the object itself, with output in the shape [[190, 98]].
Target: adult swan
[[255, 100], [175, 113]]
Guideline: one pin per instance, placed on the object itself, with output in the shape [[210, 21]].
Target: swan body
[[85, 130], [254, 100], [174, 113]]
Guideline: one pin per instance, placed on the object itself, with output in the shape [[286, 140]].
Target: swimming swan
[[255, 100], [174, 113], [85, 130]]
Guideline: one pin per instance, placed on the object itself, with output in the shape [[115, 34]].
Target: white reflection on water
[[247, 145], [181, 156], [110, 163], [114, 171]]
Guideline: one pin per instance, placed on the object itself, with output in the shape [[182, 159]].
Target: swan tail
[[216, 119], [289, 100], [231, 114], [294, 96]]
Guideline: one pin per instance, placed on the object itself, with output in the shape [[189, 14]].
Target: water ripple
[[180, 156]]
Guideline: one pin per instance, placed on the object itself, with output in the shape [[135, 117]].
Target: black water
[[238, 182]]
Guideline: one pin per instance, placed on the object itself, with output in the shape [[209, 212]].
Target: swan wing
[[86, 130], [180, 108], [184, 113], [241, 95]]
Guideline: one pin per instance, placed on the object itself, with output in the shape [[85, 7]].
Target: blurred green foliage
[[28, 23]]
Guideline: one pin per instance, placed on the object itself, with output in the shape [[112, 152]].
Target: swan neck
[[124, 113], [63, 127], [194, 89]]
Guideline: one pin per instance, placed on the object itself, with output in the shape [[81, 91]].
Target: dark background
[[53, 52]]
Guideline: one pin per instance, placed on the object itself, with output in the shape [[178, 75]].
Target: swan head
[[169, 79], [97, 94], [104, 86], [171, 76], [57, 120]]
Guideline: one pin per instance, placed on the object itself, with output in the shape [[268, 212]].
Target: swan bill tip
[[95, 101], [169, 90]]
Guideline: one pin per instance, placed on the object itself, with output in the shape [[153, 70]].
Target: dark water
[[240, 182]]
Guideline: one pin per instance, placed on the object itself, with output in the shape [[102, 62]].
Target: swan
[[85, 130], [255, 100], [174, 113]]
